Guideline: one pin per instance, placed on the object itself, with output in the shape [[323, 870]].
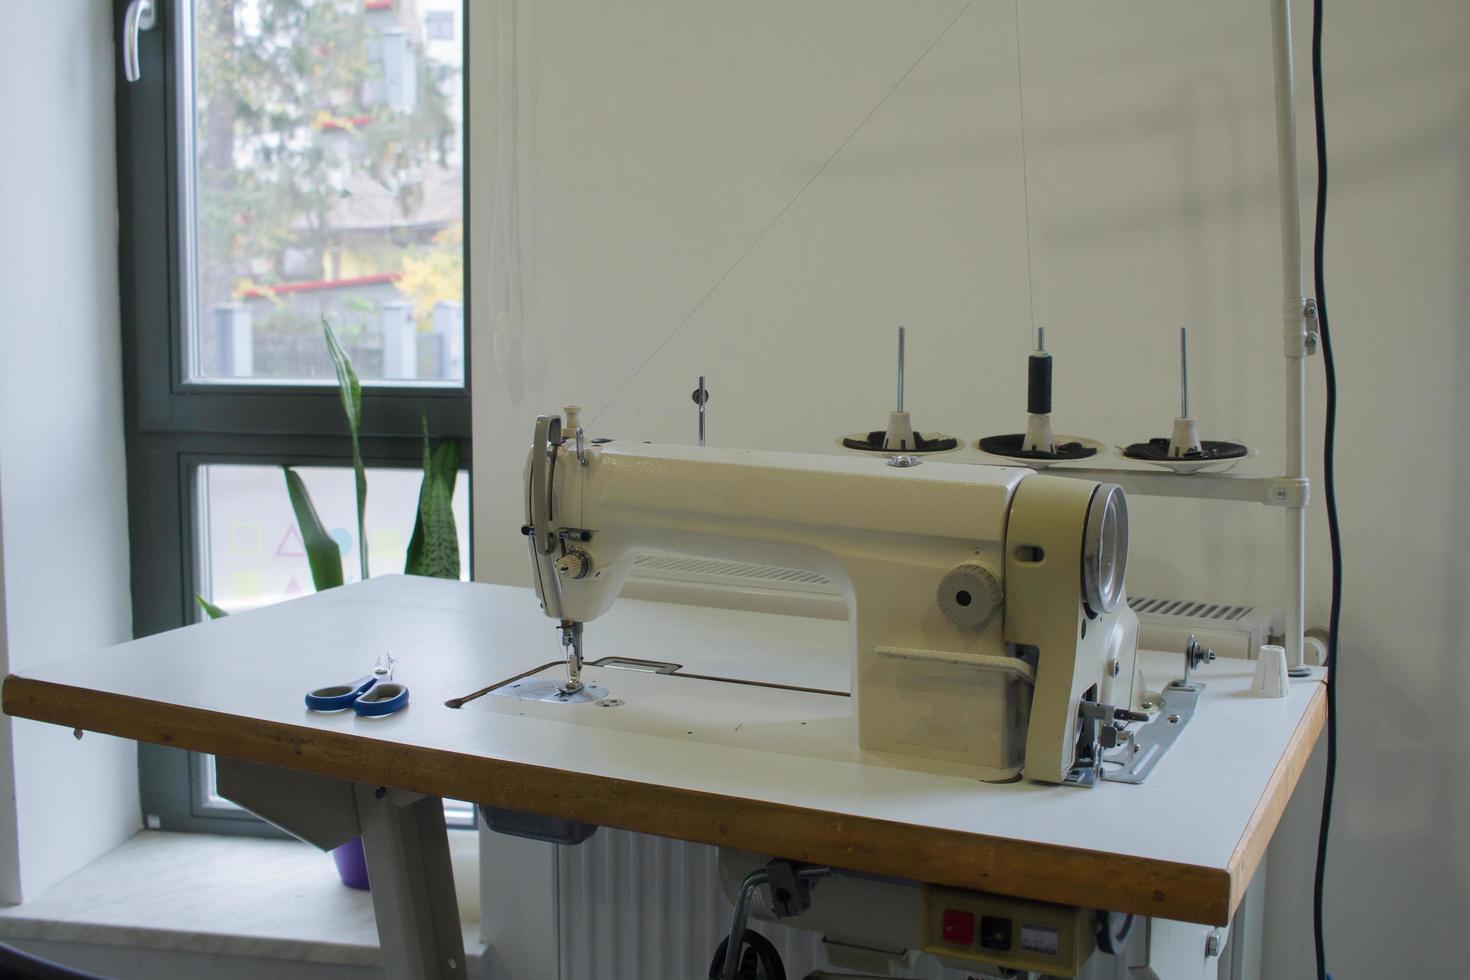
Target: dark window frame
[[173, 425]]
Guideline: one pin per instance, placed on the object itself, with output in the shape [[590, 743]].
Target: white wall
[[759, 192], [62, 493]]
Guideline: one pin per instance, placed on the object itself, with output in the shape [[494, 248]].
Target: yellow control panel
[[966, 926]]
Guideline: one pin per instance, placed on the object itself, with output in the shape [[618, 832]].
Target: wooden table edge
[[1261, 826], [1026, 869]]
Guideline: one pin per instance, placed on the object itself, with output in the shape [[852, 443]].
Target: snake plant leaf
[[210, 609], [351, 391], [322, 553], [434, 548]]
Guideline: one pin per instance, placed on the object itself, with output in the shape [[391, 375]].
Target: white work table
[[670, 761]]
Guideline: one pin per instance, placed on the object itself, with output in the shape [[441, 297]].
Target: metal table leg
[[408, 863], [407, 847]]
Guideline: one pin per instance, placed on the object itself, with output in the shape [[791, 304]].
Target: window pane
[[250, 549], [325, 137], [251, 553]]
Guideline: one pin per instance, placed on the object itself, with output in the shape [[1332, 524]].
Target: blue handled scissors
[[372, 695]]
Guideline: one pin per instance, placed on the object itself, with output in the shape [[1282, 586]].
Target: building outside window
[[319, 134], [439, 25]]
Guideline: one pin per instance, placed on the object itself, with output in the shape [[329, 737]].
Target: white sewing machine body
[[973, 638]]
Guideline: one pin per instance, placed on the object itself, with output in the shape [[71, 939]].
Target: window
[[282, 162], [318, 182]]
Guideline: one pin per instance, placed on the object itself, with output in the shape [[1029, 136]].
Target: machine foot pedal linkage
[[790, 885]]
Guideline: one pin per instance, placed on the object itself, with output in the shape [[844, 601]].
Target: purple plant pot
[[351, 864]]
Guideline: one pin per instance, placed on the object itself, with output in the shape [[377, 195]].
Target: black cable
[[756, 952], [1112, 943], [1329, 484]]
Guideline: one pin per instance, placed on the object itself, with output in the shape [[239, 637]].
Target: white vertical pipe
[[1294, 322]]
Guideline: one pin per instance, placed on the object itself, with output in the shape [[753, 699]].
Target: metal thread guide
[[701, 398]]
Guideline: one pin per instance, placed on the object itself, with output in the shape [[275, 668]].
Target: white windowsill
[[233, 896]]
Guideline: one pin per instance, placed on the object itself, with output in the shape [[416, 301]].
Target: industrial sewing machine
[[988, 621]]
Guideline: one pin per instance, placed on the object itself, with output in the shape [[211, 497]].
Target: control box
[[975, 927]]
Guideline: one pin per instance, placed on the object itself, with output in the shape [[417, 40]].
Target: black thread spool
[[1038, 383], [1017, 445]]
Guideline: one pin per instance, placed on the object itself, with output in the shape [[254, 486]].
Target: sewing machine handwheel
[[1105, 549]]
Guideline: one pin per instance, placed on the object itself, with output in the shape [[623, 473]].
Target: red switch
[[957, 928]]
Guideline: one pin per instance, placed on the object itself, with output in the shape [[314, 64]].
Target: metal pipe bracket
[[1286, 491], [1300, 318]]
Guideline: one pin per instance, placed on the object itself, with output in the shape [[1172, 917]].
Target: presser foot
[[1084, 775], [1100, 730]]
